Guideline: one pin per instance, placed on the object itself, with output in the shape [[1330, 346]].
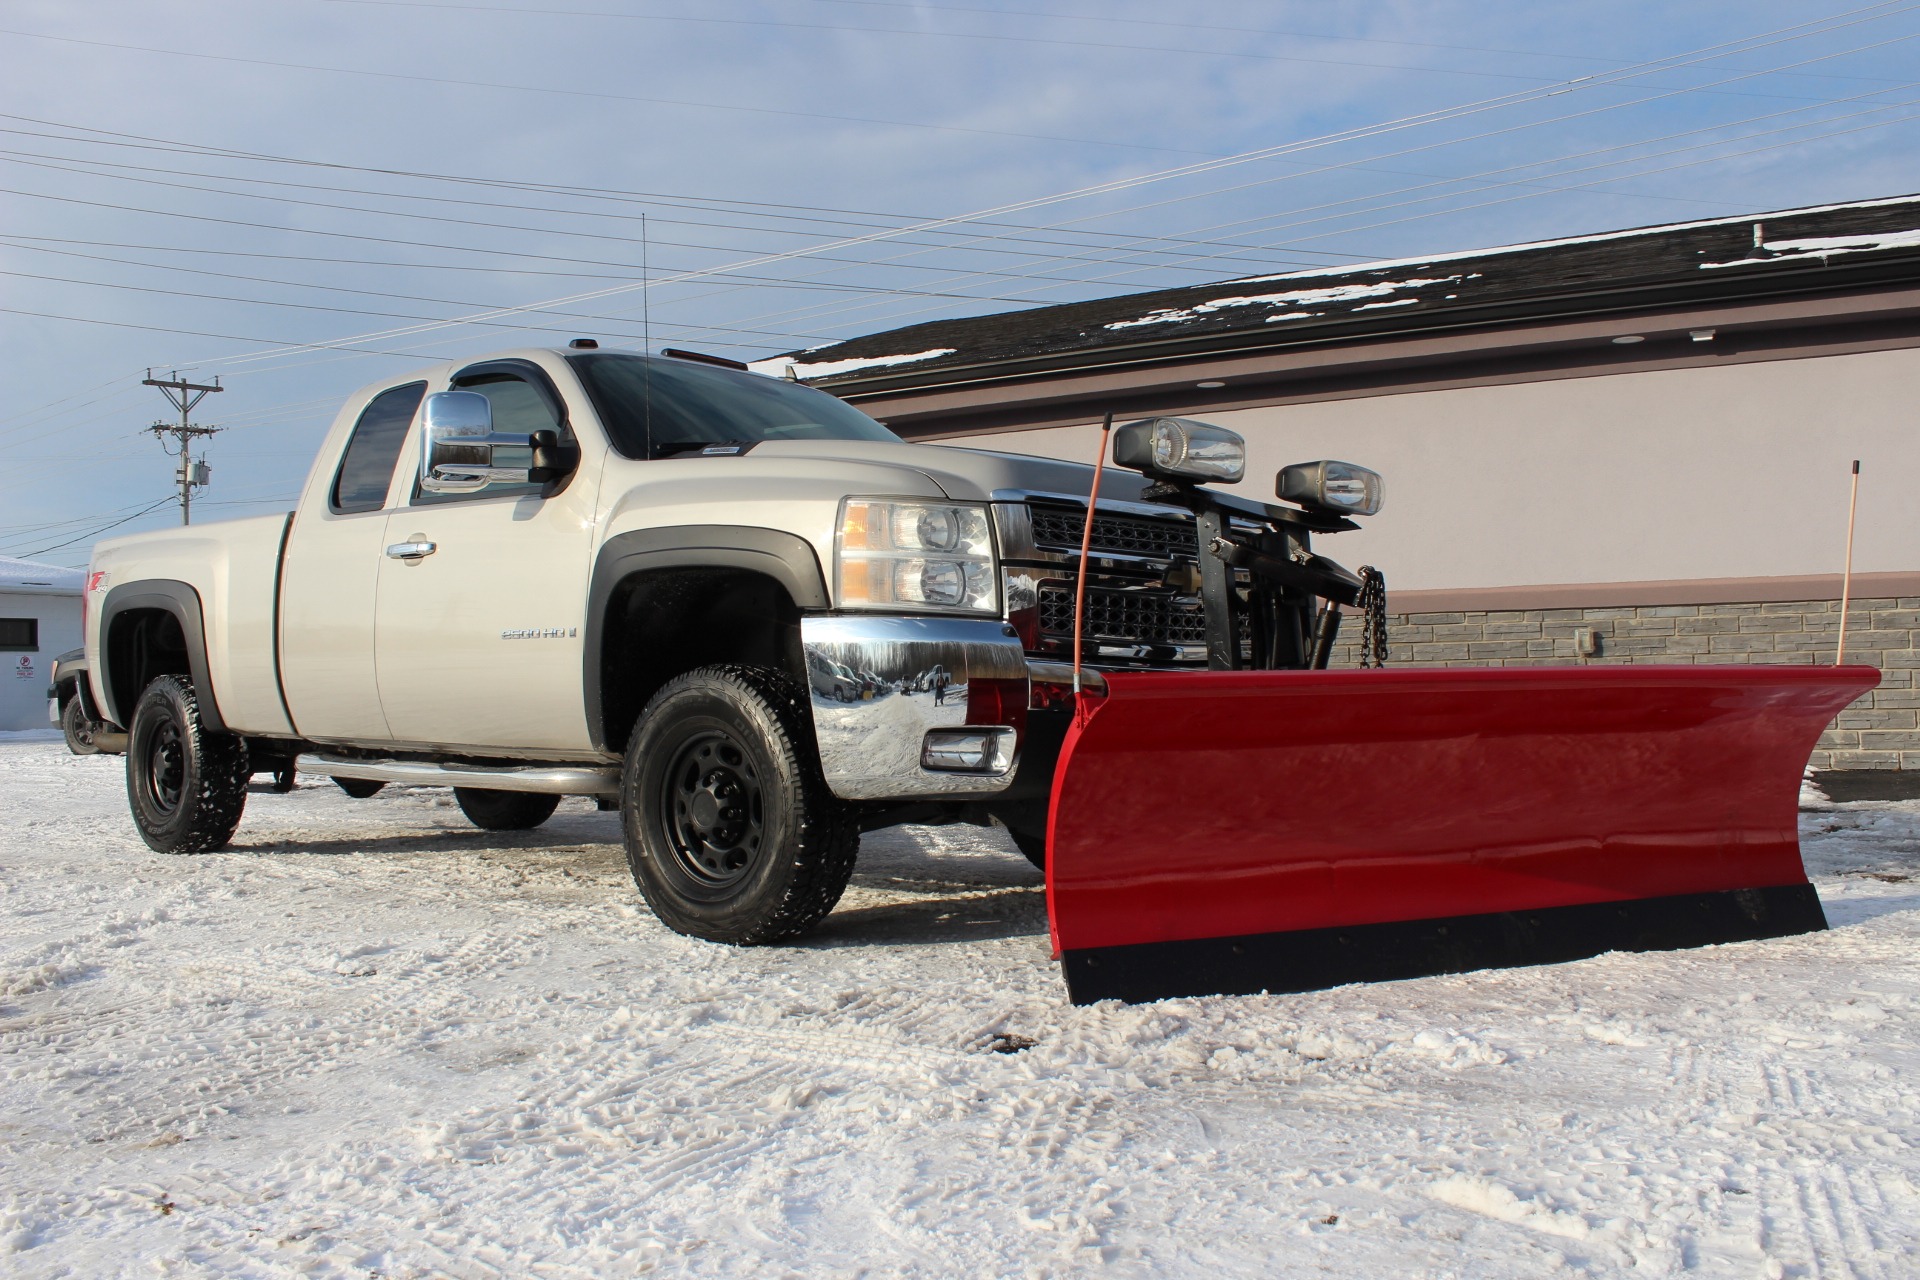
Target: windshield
[[677, 405]]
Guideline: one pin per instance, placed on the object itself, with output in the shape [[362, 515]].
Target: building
[[39, 621], [1631, 447]]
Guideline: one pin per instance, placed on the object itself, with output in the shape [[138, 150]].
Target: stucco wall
[[23, 686], [1737, 471]]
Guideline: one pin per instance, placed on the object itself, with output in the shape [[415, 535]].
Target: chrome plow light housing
[[1180, 449], [1339, 487]]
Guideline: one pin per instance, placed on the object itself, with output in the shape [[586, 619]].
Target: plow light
[[915, 555], [1180, 449], [1339, 487]]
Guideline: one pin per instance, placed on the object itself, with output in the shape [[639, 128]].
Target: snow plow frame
[[1326, 827]]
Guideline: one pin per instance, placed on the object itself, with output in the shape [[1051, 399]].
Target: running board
[[546, 780]]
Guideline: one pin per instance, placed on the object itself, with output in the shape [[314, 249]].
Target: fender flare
[[784, 557], [180, 600]]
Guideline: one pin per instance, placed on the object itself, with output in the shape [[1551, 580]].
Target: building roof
[[1814, 249], [27, 577]]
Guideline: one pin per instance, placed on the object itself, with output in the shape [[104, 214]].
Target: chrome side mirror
[[460, 451]]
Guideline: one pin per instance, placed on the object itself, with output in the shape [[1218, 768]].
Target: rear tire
[[187, 787], [359, 788], [505, 810], [79, 729], [732, 833]]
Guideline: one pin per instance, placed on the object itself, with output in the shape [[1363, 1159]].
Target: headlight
[[915, 555], [1339, 487], [1180, 449]]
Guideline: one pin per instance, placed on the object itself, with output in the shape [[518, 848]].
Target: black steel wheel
[[505, 810], [731, 831], [187, 787], [79, 728], [359, 788]]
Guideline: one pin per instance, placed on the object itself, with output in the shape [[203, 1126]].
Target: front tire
[[78, 728], [732, 833], [504, 810], [187, 786], [1032, 845]]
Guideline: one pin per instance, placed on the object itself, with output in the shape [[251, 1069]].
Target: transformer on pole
[[184, 395]]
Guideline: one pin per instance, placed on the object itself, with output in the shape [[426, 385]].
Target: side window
[[520, 407], [18, 635], [367, 469]]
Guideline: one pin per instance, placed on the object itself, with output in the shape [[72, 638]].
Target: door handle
[[411, 550]]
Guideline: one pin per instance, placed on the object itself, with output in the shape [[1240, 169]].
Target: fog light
[[968, 751]]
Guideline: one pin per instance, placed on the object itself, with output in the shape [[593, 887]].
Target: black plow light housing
[[1180, 449], [1337, 487]]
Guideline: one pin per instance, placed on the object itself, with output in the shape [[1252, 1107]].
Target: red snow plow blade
[[1232, 832]]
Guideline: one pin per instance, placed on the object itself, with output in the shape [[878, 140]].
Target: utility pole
[[183, 396]]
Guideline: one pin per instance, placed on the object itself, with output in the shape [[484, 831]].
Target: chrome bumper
[[879, 685]]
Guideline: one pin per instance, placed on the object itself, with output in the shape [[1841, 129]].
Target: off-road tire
[[187, 786], [1031, 844], [359, 788], [732, 833], [504, 810], [78, 728]]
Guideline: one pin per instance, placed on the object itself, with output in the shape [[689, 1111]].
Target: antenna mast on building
[[183, 396]]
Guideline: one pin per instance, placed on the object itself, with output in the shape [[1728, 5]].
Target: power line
[[582, 93], [94, 533], [143, 142], [358, 311], [1778, 35], [815, 312]]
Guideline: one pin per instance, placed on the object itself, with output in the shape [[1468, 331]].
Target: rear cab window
[[366, 469]]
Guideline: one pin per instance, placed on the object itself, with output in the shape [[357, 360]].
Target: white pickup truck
[[733, 606]]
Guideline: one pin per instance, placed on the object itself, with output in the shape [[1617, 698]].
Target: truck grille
[[1060, 528], [1125, 617]]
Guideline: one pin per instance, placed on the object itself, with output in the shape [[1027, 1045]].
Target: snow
[[1389, 264], [1824, 247], [35, 578], [1299, 297], [371, 1040], [779, 366]]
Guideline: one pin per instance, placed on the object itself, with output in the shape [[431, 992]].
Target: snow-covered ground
[[370, 1040]]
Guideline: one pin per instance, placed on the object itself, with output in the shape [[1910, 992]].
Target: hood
[[967, 475]]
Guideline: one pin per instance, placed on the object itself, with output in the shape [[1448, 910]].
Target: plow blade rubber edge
[[1230, 832]]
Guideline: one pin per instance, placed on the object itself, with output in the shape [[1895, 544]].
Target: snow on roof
[[778, 366], [1299, 297], [1866, 243], [39, 579], [1822, 247]]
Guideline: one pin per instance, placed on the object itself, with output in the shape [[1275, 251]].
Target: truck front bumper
[[891, 697]]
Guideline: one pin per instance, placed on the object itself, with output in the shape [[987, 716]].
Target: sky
[[302, 196]]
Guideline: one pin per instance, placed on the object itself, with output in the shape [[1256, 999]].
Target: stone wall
[[1881, 731]]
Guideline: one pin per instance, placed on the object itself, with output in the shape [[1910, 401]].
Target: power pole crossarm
[[184, 395]]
